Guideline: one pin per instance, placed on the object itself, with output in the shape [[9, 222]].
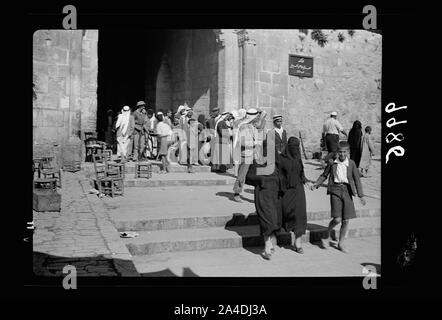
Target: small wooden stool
[[111, 186], [143, 170]]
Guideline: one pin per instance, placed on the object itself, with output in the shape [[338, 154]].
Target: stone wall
[[65, 78], [346, 79]]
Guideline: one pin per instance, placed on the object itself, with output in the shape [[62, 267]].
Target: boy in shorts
[[343, 183]]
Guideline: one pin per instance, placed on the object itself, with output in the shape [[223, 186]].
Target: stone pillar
[[188, 68], [228, 69], [247, 44]]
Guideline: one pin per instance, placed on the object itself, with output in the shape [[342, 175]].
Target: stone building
[[80, 74]]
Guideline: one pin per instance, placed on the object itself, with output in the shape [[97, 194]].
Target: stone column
[[188, 68], [228, 69], [247, 45]]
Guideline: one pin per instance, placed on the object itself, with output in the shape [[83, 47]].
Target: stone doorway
[[165, 68]]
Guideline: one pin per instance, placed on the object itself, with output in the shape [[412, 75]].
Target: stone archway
[[164, 86]]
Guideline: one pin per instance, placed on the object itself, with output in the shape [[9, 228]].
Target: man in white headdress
[[222, 150], [244, 142], [125, 125], [239, 116], [183, 125]]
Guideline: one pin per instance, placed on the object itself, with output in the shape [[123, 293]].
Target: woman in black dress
[[294, 212], [267, 201], [355, 142]]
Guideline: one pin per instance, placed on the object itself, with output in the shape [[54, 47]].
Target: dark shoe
[[190, 171], [298, 250], [237, 198], [266, 255], [342, 248]]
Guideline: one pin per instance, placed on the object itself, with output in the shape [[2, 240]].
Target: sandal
[[266, 255]]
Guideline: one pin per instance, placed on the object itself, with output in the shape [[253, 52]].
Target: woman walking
[[294, 212], [267, 201], [355, 140], [367, 152]]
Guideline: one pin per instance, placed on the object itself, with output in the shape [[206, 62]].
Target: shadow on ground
[[229, 195], [251, 238], [45, 265]]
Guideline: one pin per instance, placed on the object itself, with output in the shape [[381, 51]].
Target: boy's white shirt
[[341, 171]]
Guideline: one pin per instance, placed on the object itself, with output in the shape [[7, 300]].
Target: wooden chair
[[109, 180], [108, 154], [92, 145]]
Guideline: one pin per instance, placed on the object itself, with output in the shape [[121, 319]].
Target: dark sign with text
[[300, 66]]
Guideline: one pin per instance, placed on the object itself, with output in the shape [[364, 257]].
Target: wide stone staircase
[[189, 212]]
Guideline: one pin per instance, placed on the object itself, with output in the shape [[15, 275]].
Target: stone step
[[180, 179], [155, 242], [188, 218]]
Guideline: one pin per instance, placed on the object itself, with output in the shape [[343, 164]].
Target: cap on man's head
[[141, 103], [333, 114], [277, 117], [126, 108]]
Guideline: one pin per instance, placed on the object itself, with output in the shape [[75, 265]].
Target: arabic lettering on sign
[[300, 66]]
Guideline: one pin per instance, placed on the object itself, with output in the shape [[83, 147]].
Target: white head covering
[[187, 109], [334, 113], [222, 117], [123, 120], [250, 115], [181, 107]]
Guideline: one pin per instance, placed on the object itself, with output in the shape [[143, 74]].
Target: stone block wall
[[346, 79], [64, 74]]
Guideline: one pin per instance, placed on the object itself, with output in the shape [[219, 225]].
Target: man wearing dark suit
[[278, 135]]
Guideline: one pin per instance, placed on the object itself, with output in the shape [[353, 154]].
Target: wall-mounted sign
[[300, 66]]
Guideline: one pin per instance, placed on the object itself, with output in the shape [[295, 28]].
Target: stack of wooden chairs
[[109, 176]]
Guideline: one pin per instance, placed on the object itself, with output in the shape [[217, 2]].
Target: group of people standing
[[134, 132], [361, 145]]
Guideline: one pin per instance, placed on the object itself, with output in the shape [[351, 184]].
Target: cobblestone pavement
[[81, 235]]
